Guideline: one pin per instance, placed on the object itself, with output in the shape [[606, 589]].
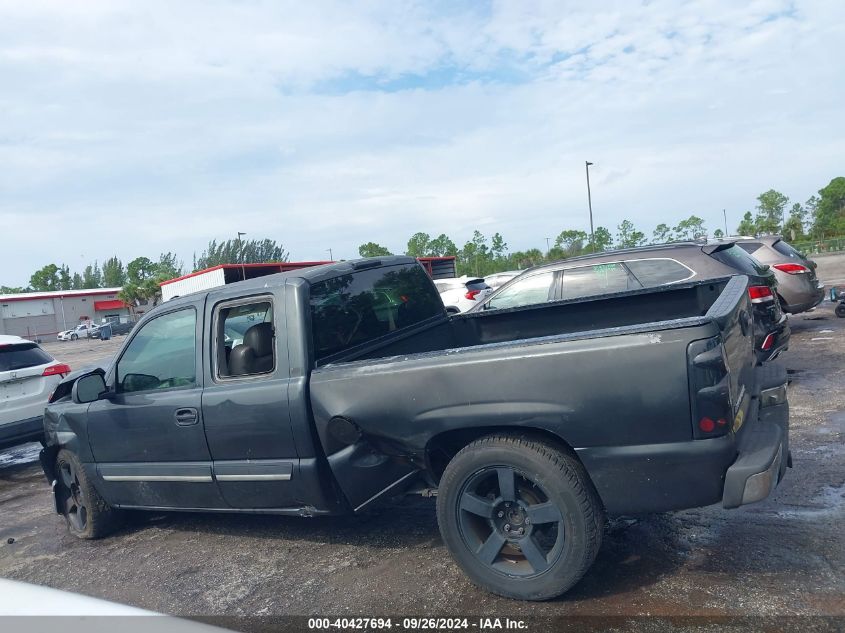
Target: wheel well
[[443, 447]]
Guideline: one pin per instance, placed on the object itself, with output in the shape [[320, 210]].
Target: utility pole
[[725, 213], [590, 204], [241, 255], [548, 248], [331, 257]]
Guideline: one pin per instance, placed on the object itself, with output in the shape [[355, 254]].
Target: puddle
[[23, 454]]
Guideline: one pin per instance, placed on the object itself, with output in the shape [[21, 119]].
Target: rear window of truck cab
[[363, 306]]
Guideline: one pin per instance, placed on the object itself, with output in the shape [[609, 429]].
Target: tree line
[[821, 217]]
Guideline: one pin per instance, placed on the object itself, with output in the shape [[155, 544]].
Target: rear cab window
[[361, 307], [244, 338], [22, 355]]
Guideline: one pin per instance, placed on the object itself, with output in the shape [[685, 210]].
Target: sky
[[134, 128]]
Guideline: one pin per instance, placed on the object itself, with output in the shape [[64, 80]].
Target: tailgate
[[722, 368]]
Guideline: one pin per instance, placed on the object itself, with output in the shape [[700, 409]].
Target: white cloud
[[327, 124]]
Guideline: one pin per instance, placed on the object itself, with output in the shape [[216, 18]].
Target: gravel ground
[[784, 556]]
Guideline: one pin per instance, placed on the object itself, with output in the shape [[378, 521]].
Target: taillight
[[58, 369], [471, 294], [709, 384], [792, 269], [760, 294], [768, 342]]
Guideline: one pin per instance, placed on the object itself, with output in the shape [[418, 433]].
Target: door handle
[[186, 416]]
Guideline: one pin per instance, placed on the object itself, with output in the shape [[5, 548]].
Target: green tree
[[91, 276], [76, 282], [499, 247], [747, 226], [12, 290], [662, 234], [46, 279], [602, 240], [526, 259], [144, 276], [65, 279], [113, 273], [628, 236], [442, 246], [371, 249], [829, 220], [690, 229], [418, 245], [569, 243], [718, 234], [793, 228], [241, 251], [770, 211]]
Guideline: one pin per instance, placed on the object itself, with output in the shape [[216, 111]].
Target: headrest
[[260, 338]]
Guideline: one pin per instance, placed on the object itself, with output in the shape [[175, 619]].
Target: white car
[[83, 330], [28, 375], [500, 279], [459, 294]]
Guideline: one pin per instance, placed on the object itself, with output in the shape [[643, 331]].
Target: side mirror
[[88, 388], [450, 310]]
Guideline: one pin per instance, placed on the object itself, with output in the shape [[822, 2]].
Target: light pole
[[241, 255], [548, 248], [725, 213], [331, 257], [590, 203]]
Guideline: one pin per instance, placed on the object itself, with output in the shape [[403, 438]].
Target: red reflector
[[60, 369], [768, 342], [471, 294], [707, 425], [792, 269], [759, 294]]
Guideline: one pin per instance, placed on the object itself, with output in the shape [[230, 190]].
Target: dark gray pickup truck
[[323, 390]]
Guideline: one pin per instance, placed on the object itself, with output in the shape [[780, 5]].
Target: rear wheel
[[520, 517], [840, 310], [73, 337], [88, 516]]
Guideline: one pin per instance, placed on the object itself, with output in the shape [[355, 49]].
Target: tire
[[487, 497], [87, 514], [74, 337], [840, 310]]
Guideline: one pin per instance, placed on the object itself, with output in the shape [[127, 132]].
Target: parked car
[[352, 384], [647, 267], [497, 280], [459, 294], [799, 289], [116, 328], [83, 330], [28, 375]]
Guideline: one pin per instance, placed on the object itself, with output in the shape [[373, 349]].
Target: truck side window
[[360, 307], [162, 355], [656, 272], [597, 279], [245, 339]]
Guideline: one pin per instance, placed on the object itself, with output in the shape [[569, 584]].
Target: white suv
[[459, 294], [28, 375]]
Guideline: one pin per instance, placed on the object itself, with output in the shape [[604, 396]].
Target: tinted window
[[476, 284], [245, 339], [738, 259], [750, 247], [656, 272], [596, 280], [525, 291], [353, 309], [22, 356], [162, 355], [785, 249]]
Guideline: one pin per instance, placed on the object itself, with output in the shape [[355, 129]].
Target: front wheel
[[87, 514], [520, 517], [73, 337]]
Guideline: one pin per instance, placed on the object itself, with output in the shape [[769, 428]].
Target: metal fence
[[835, 245]]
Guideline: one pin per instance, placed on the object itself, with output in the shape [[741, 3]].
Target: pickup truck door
[[147, 436], [245, 401]]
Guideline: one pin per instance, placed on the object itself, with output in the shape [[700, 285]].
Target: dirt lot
[[785, 556]]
